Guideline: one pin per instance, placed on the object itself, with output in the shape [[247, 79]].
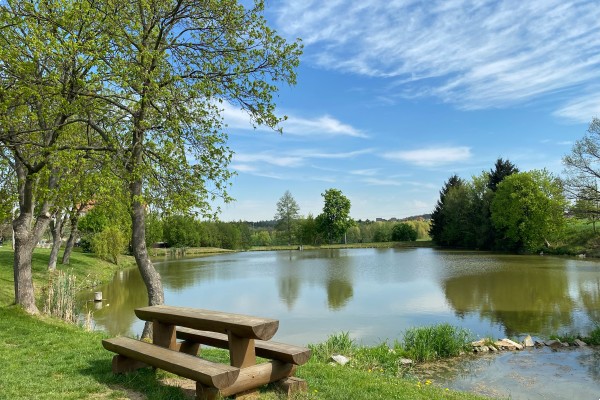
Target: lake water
[[376, 294]]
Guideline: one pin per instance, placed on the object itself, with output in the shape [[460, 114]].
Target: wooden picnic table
[[245, 336]]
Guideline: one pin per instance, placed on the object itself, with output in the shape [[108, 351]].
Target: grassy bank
[[44, 358]]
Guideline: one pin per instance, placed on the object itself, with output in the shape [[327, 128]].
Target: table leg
[[241, 351], [164, 335]]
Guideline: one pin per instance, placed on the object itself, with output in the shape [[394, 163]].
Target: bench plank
[[241, 325], [271, 350], [188, 366]]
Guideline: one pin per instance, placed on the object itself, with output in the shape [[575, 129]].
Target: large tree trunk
[[74, 216], [138, 239], [56, 228], [24, 245], [25, 238]]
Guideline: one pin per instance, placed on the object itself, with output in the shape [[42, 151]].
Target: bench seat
[[267, 349], [188, 366]]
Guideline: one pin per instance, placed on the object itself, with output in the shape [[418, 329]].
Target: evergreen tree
[[437, 217]]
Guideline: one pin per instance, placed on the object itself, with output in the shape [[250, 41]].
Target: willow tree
[[44, 60], [168, 68]]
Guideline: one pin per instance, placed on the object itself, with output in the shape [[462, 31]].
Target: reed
[[59, 296]]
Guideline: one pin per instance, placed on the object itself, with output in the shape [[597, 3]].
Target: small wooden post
[[241, 351]]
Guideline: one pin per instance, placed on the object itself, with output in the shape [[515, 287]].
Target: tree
[[587, 206], [438, 222], [335, 218], [501, 170], [529, 208], [169, 66], [287, 215], [308, 230], [582, 168], [404, 233], [42, 68]]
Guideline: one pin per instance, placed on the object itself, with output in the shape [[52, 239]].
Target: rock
[[507, 344], [579, 343], [340, 359], [478, 343], [553, 343], [482, 349], [528, 342], [493, 349], [406, 361], [539, 344], [565, 344]]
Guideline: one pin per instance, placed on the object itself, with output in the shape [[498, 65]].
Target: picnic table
[[178, 333]]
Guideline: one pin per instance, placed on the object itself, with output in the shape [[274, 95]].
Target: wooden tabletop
[[240, 325]]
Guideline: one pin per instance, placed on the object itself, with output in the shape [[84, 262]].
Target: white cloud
[[273, 159], [431, 157], [581, 109], [294, 125], [365, 172], [326, 125], [382, 182], [475, 54], [308, 153]]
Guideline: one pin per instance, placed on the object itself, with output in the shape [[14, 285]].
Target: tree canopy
[[141, 86], [335, 219], [287, 215], [529, 207]]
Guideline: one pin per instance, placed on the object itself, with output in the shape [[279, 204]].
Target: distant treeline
[[186, 231]]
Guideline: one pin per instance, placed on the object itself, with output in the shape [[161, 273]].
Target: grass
[[438, 341], [44, 358], [592, 338]]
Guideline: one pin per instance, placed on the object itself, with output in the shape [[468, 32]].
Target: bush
[[437, 341], [109, 244], [404, 233]]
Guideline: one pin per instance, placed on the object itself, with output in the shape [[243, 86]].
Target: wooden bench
[[245, 336]]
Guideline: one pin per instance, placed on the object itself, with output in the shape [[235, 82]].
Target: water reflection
[[530, 300]]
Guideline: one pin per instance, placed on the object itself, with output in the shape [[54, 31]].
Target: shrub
[[404, 233], [109, 244]]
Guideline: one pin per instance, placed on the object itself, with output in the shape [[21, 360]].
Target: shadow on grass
[[145, 381]]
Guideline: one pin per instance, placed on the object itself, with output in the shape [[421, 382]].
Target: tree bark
[[24, 245], [74, 216], [56, 228], [138, 239], [25, 238]]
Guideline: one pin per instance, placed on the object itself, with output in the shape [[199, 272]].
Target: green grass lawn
[[43, 358]]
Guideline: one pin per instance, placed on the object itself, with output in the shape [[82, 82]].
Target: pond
[[376, 294]]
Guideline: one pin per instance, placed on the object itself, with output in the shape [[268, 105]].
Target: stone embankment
[[487, 345]]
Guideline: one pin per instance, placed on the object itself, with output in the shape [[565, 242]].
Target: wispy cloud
[[581, 109], [431, 157], [268, 158], [294, 125], [365, 172], [475, 54]]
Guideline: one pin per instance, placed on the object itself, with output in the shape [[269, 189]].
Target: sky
[[393, 97]]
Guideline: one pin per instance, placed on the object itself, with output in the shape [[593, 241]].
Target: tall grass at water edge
[[59, 296], [420, 344]]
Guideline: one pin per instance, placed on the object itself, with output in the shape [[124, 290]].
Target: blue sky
[[395, 96]]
